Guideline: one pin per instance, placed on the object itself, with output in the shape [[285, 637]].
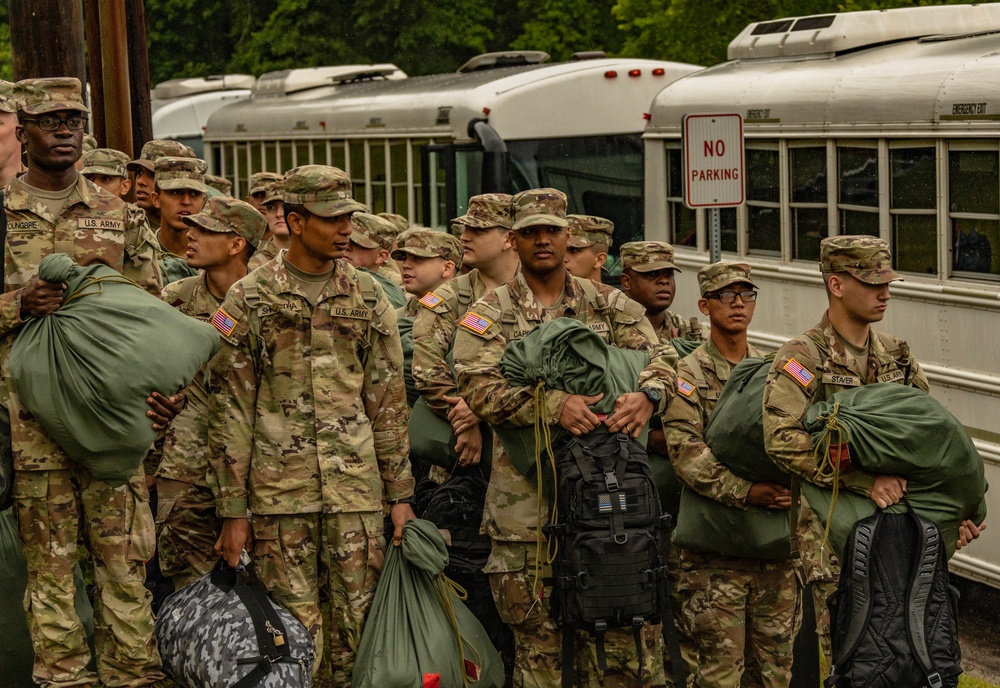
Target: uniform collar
[[84, 192], [840, 355], [342, 281], [532, 310]]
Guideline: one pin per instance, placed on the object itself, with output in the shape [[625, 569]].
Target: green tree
[[563, 27]]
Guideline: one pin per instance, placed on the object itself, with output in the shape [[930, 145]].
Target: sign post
[[713, 169]]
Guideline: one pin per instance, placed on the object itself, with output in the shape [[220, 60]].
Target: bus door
[[451, 174]]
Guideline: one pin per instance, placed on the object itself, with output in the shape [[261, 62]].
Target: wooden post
[[46, 38], [114, 55], [138, 75], [95, 73]]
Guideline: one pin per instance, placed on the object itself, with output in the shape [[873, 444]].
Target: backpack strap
[[255, 340], [793, 512], [272, 638], [919, 593], [569, 654], [507, 316], [463, 285]]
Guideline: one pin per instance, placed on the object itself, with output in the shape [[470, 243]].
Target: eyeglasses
[[49, 123], [730, 296], [532, 231]]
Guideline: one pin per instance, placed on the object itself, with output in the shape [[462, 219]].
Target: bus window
[[435, 160], [242, 168], [319, 152], [399, 166], [974, 187], [763, 200], [913, 208], [303, 153], [468, 178], [682, 230], [857, 200], [416, 155], [338, 154], [377, 175], [727, 217], [356, 168], [271, 157], [807, 169]]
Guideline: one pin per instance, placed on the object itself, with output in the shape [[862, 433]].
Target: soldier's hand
[[400, 514], [632, 412], [657, 442], [969, 531], [769, 496], [41, 298], [888, 490], [163, 409], [236, 536], [576, 417], [469, 446], [460, 416]]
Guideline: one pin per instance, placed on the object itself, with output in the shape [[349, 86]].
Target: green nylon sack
[[566, 355], [432, 439], [86, 370], [418, 630], [898, 430], [735, 434]]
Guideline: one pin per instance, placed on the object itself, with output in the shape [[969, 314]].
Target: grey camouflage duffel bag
[[223, 631]]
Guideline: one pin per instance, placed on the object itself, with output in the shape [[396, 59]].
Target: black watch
[[404, 500], [654, 395]]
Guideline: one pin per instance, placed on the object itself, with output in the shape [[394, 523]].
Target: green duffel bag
[[894, 429], [418, 632], [566, 355], [684, 347], [6, 460], [706, 525], [16, 653], [432, 439], [86, 370]]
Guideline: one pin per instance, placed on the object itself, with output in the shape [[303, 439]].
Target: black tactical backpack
[[611, 566], [894, 614]]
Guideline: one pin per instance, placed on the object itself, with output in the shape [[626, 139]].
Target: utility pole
[[114, 63], [138, 75], [47, 38], [92, 15]]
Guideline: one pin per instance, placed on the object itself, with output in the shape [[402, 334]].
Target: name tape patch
[[100, 223]]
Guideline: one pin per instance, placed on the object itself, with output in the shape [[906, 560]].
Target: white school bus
[[421, 146], [884, 123]]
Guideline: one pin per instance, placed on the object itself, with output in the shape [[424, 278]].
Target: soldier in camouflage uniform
[[740, 613], [589, 243], [259, 182], [221, 238], [144, 176], [53, 208], [10, 146], [401, 224], [489, 249], [311, 437], [220, 184], [179, 191], [106, 168], [428, 258], [648, 277], [542, 291], [276, 236], [841, 352], [368, 250]]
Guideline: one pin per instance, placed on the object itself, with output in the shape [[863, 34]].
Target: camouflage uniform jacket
[[265, 253], [511, 507], [434, 336], [827, 367], [685, 421], [675, 325], [309, 408], [185, 447], [390, 271], [411, 308], [95, 227]]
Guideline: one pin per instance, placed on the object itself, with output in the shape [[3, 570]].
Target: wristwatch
[[654, 395], [404, 500]]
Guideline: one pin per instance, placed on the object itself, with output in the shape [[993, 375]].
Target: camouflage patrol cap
[[423, 242], [587, 230], [865, 257], [38, 96], [372, 231], [323, 190], [8, 103], [227, 214], [273, 192], [486, 211], [718, 275], [220, 184], [156, 149], [89, 143], [647, 256], [259, 181], [398, 221], [181, 173], [105, 161], [539, 207]]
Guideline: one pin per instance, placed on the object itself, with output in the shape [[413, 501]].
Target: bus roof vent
[[509, 58], [587, 55], [286, 81], [180, 88], [827, 34]]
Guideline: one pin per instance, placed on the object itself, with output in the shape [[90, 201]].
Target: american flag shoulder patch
[[475, 323], [798, 372], [224, 322], [430, 300], [684, 387]]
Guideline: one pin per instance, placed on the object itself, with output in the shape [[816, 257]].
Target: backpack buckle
[[934, 680], [611, 481]]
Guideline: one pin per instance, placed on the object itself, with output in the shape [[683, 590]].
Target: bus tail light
[[610, 74], [659, 71], [635, 72]]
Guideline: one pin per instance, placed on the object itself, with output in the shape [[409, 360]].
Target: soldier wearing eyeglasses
[[738, 613], [53, 208]]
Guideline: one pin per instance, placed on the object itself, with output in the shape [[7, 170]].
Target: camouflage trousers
[[743, 615], [54, 510], [538, 638], [187, 529], [689, 650], [292, 552], [822, 569], [821, 591]]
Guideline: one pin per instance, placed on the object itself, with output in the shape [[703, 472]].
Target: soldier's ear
[[703, 306], [19, 133]]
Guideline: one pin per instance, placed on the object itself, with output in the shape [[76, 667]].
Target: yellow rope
[[445, 588], [89, 282], [826, 468]]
